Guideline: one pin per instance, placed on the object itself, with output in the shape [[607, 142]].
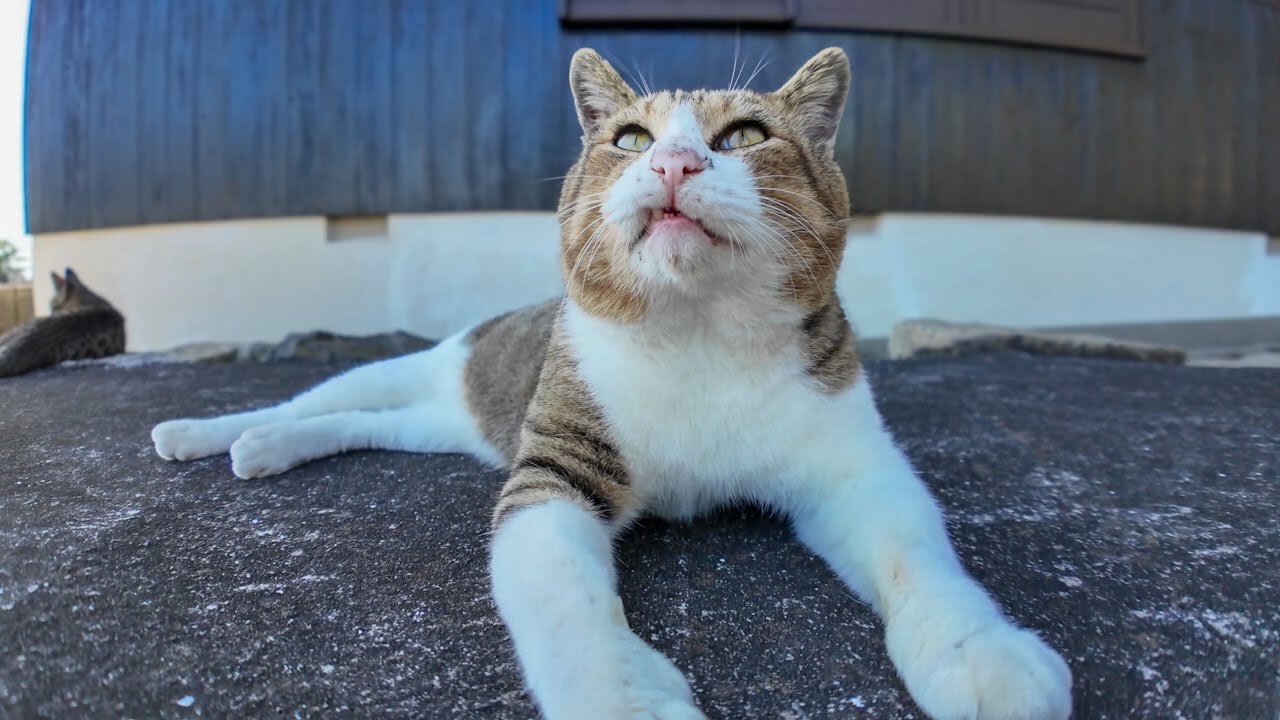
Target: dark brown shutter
[[1106, 26], [641, 12]]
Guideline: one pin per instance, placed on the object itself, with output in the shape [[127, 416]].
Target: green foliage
[[10, 268]]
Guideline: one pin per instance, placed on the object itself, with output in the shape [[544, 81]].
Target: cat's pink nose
[[675, 166]]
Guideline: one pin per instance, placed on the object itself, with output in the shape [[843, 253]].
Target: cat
[[700, 357], [81, 325]]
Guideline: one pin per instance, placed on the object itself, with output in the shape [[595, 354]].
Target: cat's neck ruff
[[678, 326], [750, 317]]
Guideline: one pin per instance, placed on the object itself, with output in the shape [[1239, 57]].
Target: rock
[[938, 338], [324, 346], [319, 345], [120, 361], [203, 352], [255, 352]]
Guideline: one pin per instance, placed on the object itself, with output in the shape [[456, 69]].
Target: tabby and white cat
[[700, 357], [82, 325]]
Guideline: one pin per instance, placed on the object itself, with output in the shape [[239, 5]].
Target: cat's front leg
[[553, 582], [958, 655]]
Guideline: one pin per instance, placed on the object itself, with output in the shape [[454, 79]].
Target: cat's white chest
[[699, 425]]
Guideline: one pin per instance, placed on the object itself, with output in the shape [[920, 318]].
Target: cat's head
[[702, 194], [70, 293]]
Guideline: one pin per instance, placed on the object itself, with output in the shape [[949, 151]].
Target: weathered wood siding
[[143, 111], [16, 306]]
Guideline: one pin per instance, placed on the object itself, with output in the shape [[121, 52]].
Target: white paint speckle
[[257, 587], [1216, 551], [1071, 581], [326, 669], [186, 701]]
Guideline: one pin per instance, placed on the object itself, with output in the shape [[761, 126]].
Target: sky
[[13, 60]]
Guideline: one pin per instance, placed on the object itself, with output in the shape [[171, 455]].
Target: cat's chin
[[684, 262], [678, 243]]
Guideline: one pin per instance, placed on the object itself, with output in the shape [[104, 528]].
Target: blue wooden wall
[[143, 111]]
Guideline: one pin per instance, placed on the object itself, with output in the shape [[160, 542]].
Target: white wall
[[1035, 272], [261, 279], [434, 274]]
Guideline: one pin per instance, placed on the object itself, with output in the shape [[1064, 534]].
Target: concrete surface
[[1260, 355], [1128, 511], [1193, 335]]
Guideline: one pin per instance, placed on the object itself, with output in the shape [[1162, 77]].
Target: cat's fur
[[81, 325], [691, 364]]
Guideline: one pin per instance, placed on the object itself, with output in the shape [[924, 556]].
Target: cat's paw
[[264, 451], [1000, 672], [190, 439], [654, 688]]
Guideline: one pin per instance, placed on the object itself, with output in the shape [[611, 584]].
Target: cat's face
[[704, 193]]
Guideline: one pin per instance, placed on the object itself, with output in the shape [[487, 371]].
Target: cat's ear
[[816, 93], [58, 282], [598, 90], [70, 275]]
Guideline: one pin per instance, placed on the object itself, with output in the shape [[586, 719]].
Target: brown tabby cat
[[82, 325], [700, 357]]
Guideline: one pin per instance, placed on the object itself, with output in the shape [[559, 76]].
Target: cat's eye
[[634, 139], [741, 136]]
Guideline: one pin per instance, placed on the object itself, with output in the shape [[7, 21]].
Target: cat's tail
[[16, 355]]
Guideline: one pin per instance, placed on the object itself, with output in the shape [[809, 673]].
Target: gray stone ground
[[1129, 511]]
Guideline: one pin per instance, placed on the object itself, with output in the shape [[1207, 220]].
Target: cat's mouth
[[671, 220]]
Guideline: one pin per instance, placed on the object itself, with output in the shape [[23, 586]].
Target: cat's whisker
[[781, 177], [599, 241], [781, 242], [801, 195], [638, 80], [795, 248], [580, 207], [733, 237], [806, 223], [784, 209], [761, 65], [737, 45], [781, 210], [586, 228], [644, 82], [776, 248], [566, 177], [582, 202], [585, 202], [633, 71], [573, 273], [799, 244], [597, 223]]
